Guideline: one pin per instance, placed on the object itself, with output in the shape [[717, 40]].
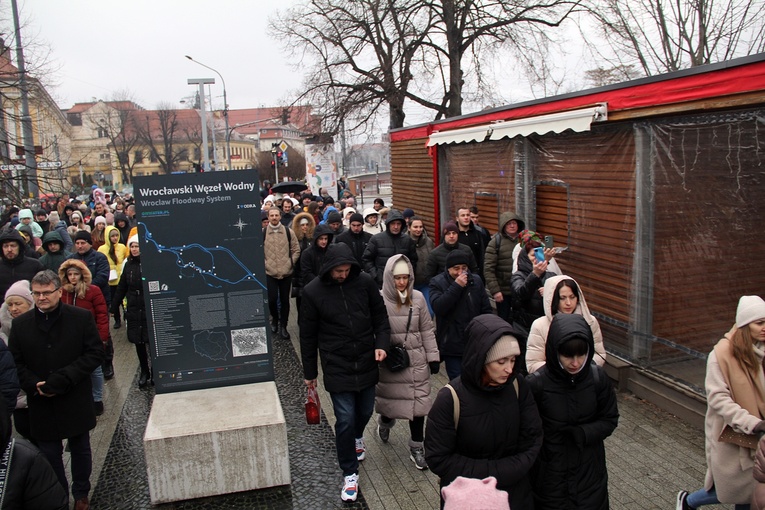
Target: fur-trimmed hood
[[85, 281]]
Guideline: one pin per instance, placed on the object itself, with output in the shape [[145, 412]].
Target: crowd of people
[[381, 306], [65, 269]]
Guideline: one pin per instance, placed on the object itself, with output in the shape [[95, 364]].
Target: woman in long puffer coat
[[131, 286], [406, 394], [578, 408]]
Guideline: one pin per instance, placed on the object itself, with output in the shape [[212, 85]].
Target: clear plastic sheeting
[[662, 220]]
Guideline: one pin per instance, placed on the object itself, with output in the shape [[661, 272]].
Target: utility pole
[[30, 180], [203, 113]]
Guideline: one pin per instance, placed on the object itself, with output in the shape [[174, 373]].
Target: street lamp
[[225, 106], [203, 113]]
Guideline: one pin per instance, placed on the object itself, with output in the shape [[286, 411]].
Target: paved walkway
[[651, 455]]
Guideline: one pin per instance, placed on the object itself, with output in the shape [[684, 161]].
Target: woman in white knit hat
[[405, 394], [735, 387]]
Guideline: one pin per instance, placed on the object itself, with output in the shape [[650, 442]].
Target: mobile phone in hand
[[539, 254], [548, 242]]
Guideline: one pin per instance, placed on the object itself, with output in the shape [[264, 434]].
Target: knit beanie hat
[[450, 226], [41, 212], [20, 289], [100, 219], [26, 213], [473, 494], [456, 257], [400, 267], [506, 346], [750, 309], [408, 213], [334, 217], [84, 235], [356, 217], [526, 236], [133, 239]]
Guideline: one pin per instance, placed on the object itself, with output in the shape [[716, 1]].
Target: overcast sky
[[100, 47]]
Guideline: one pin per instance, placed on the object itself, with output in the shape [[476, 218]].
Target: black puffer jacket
[[455, 306], [356, 242], [312, 258], [131, 285], [499, 432], [384, 245], [437, 259], [31, 484], [528, 303], [578, 412], [19, 268], [346, 322]]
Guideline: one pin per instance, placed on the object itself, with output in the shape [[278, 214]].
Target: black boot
[[117, 323], [108, 369], [274, 327], [143, 379], [284, 333]]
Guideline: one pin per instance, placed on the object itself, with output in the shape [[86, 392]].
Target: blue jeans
[[702, 497], [352, 412], [82, 462], [97, 381], [425, 289], [453, 366]]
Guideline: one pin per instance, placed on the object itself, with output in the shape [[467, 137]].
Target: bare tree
[[660, 36], [158, 130]]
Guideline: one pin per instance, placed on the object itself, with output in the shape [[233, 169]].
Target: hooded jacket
[[499, 431], [131, 286], [424, 246], [31, 483], [85, 295], [535, 347], [60, 227], [53, 260], [37, 230], [406, 394], [120, 252], [498, 260], [125, 230], [436, 263], [527, 302], [346, 322], [454, 307], [578, 413], [377, 227], [312, 259], [18, 268], [384, 245]]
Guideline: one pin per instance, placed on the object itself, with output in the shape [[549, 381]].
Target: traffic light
[[279, 156]]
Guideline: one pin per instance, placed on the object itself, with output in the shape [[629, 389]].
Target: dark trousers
[[279, 298], [352, 412], [112, 292], [453, 366], [82, 462]]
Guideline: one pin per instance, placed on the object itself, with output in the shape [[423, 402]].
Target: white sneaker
[[350, 488], [361, 449]]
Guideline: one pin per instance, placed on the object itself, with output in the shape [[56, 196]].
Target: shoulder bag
[[398, 357]]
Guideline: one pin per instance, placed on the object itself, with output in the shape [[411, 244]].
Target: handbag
[[113, 275], [729, 435], [397, 357], [312, 406]]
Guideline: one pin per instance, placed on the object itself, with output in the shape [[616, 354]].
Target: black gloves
[[434, 367]]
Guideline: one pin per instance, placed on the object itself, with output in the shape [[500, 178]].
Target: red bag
[[312, 406]]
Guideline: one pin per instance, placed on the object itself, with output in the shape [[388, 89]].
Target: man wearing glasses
[[56, 347]]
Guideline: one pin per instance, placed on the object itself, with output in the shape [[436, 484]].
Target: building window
[[103, 156], [152, 157], [138, 157], [103, 133]]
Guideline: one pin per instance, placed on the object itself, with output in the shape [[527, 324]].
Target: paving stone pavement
[[651, 455]]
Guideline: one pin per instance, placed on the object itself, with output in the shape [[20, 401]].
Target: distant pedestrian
[[735, 388], [386, 244], [281, 251]]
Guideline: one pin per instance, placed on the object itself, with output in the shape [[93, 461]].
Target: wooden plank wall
[[412, 179], [710, 211]]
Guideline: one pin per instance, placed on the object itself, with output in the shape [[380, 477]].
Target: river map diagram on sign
[[216, 265], [212, 345]]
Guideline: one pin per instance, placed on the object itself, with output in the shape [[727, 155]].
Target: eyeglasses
[[45, 293]]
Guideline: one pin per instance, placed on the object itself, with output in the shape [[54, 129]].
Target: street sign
[[47, 165], [12, 167], [283, 146]]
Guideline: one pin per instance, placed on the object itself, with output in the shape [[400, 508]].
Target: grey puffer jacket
[[406, 394]]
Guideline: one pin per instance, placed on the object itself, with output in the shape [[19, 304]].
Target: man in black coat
[[457, 296], [451, 241], [14, 266], [343, 316], [473, 238], [56, 347], [384, 245], [355, 237]]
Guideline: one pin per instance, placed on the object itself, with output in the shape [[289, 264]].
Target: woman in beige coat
[[735, 387], [561, 295], [406, 394]]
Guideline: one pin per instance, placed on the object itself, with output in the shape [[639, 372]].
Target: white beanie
[[750, 309], [400, 267], [20, 289], [133, 239]]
